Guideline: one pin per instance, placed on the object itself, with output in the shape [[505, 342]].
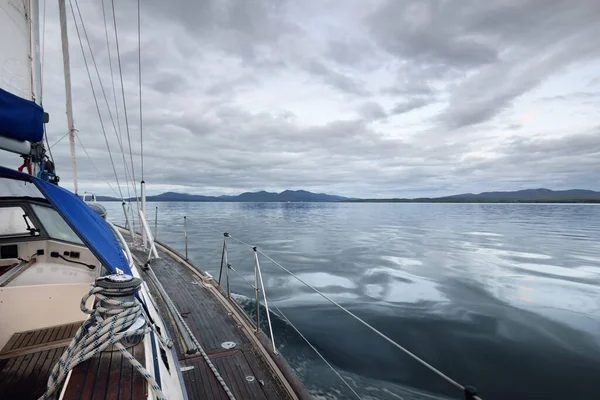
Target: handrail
[[469, 392], [257, 278], [262, 285]]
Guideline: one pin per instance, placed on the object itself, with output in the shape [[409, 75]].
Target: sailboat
[[89, 309], [84, 316]]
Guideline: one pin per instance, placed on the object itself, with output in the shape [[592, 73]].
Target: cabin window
[[55, 225], [15, 222]]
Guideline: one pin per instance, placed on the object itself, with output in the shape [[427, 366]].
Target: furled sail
[[21, 117]]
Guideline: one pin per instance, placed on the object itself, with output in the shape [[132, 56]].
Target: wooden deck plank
[[107, 375], [25, 377], [23, 338], [11, 342], [140, 386], [36, 337], [102, 375], [28, 360], [203, 382], [116, 367], [126, 379], [259, 371]]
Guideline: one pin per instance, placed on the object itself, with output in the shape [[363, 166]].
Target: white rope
[[191, 334], [108, 327]]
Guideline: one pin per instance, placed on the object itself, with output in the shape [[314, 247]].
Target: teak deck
[[28, 357], [242, 368], [25, 365]]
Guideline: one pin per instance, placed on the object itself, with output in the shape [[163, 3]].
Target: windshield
[[16, 223], [55, 225]]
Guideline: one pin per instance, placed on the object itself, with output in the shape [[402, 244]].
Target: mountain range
[[258, 197], [520, 196], [524, 196]]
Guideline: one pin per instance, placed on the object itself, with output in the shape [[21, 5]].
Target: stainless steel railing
[[469, 392], [258, 278]]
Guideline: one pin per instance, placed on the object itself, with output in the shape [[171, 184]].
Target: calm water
[[504, 297]]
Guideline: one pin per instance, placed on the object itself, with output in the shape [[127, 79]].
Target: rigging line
[[314, 348], [95, 98], [137, 200], [94, 165], [140, 88], [48, 145], [97, 72], [58, 141], [299, 333], [379, 333], [103, 90], [112, 78]]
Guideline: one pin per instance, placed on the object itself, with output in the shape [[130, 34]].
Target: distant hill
[[173, 196], [519, 196], [262, 196], [531, 194]]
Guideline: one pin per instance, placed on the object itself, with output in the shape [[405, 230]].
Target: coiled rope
[[105, 327]]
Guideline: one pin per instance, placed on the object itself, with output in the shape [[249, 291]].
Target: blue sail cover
[[89, 226], [20, 119]]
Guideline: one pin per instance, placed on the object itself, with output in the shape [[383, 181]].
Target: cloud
[[372, 111], [323, 96], [336, 79], [489, 52], [409, 105]]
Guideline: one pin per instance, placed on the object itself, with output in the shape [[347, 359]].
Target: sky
[[357, 98]]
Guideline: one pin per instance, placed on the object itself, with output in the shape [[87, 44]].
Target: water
[[504, 297]]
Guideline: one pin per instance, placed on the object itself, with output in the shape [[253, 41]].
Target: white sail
[[18, 48]]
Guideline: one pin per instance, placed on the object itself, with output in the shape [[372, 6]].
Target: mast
[[67, 72]]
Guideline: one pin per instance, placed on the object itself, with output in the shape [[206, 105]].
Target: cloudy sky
[[359, 98]]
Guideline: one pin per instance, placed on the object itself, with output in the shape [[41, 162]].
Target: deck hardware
[[250, 378], [228, 345]]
